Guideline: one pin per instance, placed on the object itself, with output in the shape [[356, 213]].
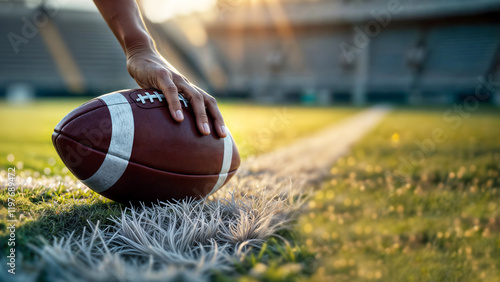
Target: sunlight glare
[[161, 10]]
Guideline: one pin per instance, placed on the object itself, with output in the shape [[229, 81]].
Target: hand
[[151, 70]]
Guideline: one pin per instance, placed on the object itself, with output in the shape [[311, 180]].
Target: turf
[[25, 133], [391, 213], [415, 200], [56, 204]]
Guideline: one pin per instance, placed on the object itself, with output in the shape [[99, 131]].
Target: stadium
[[249, 140], [350, 52]]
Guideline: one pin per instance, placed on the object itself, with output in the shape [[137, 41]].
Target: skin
[[151, 70]]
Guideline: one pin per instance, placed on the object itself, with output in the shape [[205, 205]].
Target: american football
[[126, 146]]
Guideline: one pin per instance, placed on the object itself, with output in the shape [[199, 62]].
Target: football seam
[[55, 145], [136, 163], [84, 113]]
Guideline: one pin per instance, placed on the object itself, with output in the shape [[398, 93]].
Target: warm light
[[194, 31], [395, 138], [159, 11]]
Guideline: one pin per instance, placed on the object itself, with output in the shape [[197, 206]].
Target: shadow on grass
[[56, 223]]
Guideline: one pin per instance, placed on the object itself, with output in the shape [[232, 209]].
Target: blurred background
[[416, 199], [271, 51]]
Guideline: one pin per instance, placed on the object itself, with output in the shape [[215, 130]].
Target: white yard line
[[312, 156]]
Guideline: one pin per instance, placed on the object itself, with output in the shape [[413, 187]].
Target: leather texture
[[168, 160]]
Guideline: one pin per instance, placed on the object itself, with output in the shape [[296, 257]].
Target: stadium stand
[[74, 52], [276, 51], [423, 49], [32, 64], [457, 54], [95, 50], [96, 54]]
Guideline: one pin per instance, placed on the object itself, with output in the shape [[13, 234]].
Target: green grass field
[[371, 221], [392, 210], [25, 143], [25, 133], [438, 221]]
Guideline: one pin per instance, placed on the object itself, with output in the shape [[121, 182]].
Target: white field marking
[[312, 156], [226, 163], [120, 147]]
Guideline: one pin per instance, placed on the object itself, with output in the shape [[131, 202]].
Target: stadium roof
[[268, 13]]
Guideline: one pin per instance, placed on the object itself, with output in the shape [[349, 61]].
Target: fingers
[[213, 109], [168, 87], [198, 103], [199, 99]]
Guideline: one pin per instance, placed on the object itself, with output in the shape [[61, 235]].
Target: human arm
[[151, 70]]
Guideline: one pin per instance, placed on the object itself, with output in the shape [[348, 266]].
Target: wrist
[[138, 44]]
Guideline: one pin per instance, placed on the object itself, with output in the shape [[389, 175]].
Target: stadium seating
[[97, 54], [388, 66], [32, 63], [458, 54], [281, 51], [95, 50]]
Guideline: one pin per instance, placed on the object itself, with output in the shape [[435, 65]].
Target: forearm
[[151, 70], [124, 19]]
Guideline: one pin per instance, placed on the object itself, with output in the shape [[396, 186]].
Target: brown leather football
[[126, 146]]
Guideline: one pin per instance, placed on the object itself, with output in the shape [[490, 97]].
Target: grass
[[437, 220], [25, 135], [25, 139], [406, 204], [57, 204]]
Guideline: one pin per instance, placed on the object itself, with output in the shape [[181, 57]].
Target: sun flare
[[161, 10]]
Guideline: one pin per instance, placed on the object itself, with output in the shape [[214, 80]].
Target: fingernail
[[223, 130], [179, 115], [205, 127]]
